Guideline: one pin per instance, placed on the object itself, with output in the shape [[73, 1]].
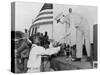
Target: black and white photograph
[[48, 37]]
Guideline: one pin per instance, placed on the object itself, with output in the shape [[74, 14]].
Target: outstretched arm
[[51, 51], [66, 35]]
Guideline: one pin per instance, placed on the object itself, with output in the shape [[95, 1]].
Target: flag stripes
[[45, 13], [45, 16], [44, 23], [40, 18]]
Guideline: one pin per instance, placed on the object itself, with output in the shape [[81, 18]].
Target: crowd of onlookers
[[44, 39], [23, 47]]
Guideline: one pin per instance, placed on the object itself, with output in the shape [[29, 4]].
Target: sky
[[25, 12]]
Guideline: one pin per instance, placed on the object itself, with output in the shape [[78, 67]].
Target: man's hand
[[24, 53]]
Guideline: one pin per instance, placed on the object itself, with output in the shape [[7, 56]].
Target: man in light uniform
[[34, 61], [82, 32]]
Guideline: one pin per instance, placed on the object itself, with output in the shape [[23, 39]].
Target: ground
[[63, 63]]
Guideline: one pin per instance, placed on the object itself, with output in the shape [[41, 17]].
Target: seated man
[[36, 51], [23, 53]]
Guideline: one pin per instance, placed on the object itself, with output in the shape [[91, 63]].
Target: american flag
[[45, 17]]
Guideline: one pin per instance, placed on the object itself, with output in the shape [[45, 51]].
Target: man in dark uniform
[[46, 40]]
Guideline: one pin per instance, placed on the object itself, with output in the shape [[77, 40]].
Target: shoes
[[76, 59]]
